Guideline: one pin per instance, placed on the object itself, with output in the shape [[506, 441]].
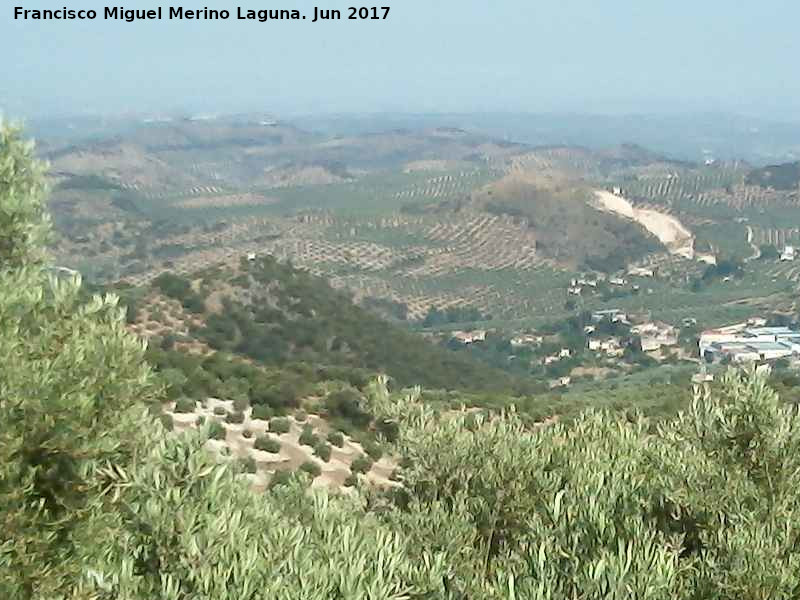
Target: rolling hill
[[271, 314], [779, 177], [567, 227]]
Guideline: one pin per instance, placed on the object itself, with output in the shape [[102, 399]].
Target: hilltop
[[567, 227], [779, 177]]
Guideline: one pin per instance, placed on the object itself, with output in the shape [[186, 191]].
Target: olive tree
[[68, 373], [24, 224], [704, 506], [184, 525]]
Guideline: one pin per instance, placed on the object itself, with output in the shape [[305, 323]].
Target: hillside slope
[[568, 228], [273, 314], [779, 177]]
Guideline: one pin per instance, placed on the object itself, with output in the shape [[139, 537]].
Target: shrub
[[174, 380], [311, 468], [300, 415], [235, 417], [323, 451], [185, 405], [307, 437], [336, 438], [267, 443], [389, 430], [200, 420], [220, 411], [351, 480], [346, 404], [216, 431], [247, 434], [241, 403], [279, 478], [263, 412], [361, 464], [166, 421], [248, 465], [373, 450], [279, 425]]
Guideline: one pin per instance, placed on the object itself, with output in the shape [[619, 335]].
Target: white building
[[788, 253], [469, 337], [526, 340], [613, 314], [741, 343], [655, 335], [560, 382], [641, 272]]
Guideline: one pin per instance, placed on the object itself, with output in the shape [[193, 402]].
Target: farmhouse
[[469, 337], [788, 253], [655, 335], [611, 346], [641, 272], [560, 382], [612, 314], [526, 340]]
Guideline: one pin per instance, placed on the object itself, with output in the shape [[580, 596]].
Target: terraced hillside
[[416, 221]]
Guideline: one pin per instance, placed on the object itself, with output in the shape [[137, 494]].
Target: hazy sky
[[430, 55]]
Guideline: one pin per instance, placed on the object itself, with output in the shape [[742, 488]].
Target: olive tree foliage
[[24, 224], [186, 526], [706, 506], [70, 376], [97, 500]]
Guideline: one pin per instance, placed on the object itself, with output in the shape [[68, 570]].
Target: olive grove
[[98, 500]]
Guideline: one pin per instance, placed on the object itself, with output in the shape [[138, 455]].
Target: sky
[[585, 56]]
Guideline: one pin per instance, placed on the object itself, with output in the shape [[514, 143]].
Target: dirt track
[[669, 230]]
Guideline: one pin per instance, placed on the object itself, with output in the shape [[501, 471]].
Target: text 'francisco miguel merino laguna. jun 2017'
[[119, 13]]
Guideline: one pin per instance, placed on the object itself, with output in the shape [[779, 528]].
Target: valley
[[448, 242]]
